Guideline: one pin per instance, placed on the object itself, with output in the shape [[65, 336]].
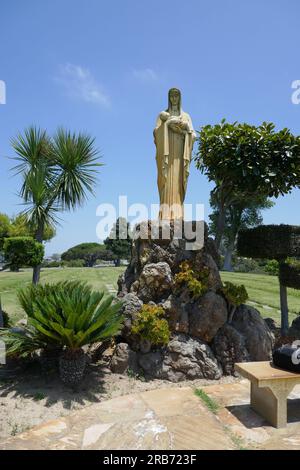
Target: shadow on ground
[[31, 381]]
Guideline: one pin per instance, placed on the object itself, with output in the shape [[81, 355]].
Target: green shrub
[[196, 283], [66, 314], [269, 241], [51, 264], [234, 294], [272, 267], [75, 263], [245, 265], [150, 325], [289, 274], [22, 251]]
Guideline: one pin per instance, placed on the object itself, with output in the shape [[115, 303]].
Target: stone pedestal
[[197, 323]]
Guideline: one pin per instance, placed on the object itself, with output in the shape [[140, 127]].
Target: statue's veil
[[169, 101]]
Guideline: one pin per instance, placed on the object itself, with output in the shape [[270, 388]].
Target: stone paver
[[237, 416], [172, 418], [159, 419]]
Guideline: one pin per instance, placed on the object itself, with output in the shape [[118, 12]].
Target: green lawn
[[262, 289], [99, 278]]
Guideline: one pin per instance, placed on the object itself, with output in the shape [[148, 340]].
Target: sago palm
[[68, 315], [57, 174]]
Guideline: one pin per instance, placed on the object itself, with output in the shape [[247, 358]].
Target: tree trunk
[[37, 269], [228, 258], [284, 310], [220, 225], [36, 274], [1, 316]]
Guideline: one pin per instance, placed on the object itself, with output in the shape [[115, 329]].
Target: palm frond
[[77, 162]]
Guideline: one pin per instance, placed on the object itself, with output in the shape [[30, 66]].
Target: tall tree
[[57, 175], [89, 252], [244, 161], [119, 240], [240, 215]]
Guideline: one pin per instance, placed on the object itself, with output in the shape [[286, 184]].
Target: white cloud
[[145, 75], [79, 83]]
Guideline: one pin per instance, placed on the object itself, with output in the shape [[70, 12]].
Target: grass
[[263, 289], [211, 404], [10, 283], [214, 407]]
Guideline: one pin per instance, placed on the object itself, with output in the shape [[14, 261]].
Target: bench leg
[[271, 402]]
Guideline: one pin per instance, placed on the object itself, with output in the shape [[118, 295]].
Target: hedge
[[22, 251], [289, 274], [269, 241]]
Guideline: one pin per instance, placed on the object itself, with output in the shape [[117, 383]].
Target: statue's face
[[174, 98]]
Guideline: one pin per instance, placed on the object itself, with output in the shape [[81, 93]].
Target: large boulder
[[123, 359], [229, 347], [176, 313], [203, 261], [207, 316], [131, 305], [259, 340], [189, 358], [183, 358], [155, 282]]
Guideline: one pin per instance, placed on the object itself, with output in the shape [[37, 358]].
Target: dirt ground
[[31, 397]]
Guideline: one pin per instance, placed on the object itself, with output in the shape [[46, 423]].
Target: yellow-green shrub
[[196, 282], [234, 294], [150, 325]]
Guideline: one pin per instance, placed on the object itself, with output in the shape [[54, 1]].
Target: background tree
[[241, 214], [244, 161], [19, 227], [119, 241], [22, 252], [4, 228], [58, 173], [89, 252]]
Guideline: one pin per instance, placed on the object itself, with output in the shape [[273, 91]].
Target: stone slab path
[[158, 419], [167, 419], [249, 429]]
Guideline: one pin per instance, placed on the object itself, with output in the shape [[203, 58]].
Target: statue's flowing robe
[[173, 156]]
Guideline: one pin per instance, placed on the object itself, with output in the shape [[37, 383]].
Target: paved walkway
[[172, 418]]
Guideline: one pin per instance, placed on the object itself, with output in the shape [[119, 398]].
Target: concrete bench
[[270, 388]]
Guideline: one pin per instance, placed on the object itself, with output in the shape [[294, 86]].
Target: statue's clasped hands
[[174, 122]]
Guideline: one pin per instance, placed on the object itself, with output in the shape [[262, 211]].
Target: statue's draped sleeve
[[190, 137], [161, 139]]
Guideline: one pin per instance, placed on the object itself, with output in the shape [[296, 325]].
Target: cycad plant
[[57, 174], [69, 315]]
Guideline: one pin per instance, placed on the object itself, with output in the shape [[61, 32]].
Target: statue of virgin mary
[[174, 137]]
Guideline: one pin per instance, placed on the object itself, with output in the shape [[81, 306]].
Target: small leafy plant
[[150, 325], [235, 296], [196, 283]]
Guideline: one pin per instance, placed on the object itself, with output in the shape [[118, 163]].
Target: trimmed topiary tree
[[22, 251], [274, 242], [289, 274]]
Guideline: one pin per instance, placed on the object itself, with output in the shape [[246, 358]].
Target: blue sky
[[105, 67]]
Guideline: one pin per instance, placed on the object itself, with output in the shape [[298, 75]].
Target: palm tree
[[58, 173]]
